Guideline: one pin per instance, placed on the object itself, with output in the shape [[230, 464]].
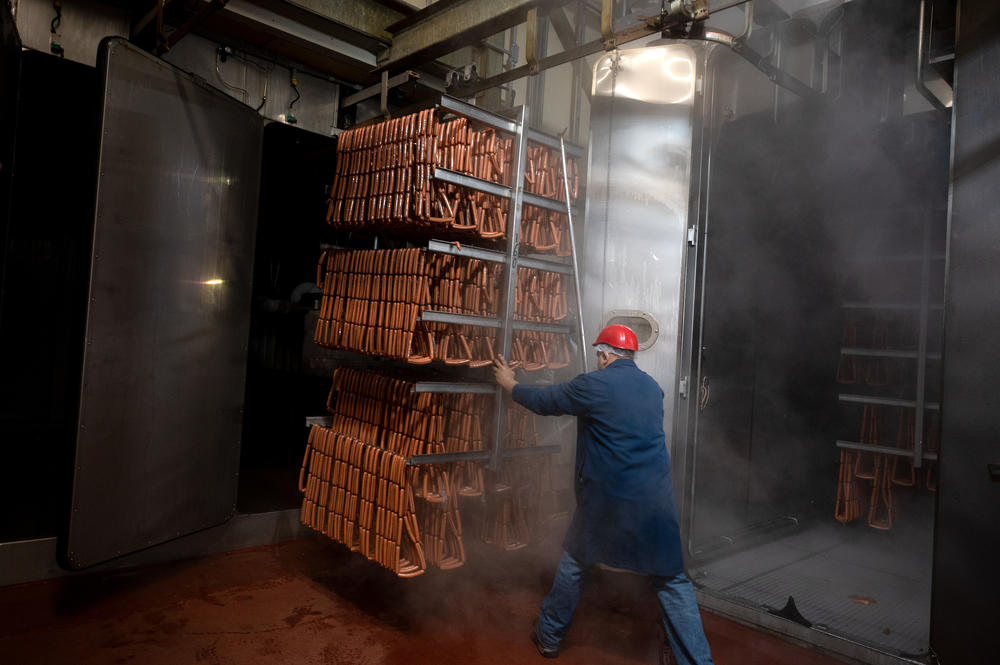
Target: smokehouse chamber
[[820, 328], [811, 285]]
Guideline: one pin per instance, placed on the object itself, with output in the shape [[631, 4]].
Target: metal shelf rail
[[898, 452], [887, 401], [451, 247], [884, 353]]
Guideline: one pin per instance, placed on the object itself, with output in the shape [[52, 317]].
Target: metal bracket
[[531, 41], [607, 25], [677, 13], [700, 10]]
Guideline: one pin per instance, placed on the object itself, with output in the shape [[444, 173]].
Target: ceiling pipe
[[776, 75]]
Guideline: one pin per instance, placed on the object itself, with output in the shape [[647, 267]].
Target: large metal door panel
[[635, 239], [165, 360]]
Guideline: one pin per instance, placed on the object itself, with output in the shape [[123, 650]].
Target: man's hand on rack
[[504, 374]]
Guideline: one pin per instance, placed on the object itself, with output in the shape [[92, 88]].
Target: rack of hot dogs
[[359, 488], [884, 423], [359, 491], [385, 181], [372, 302]]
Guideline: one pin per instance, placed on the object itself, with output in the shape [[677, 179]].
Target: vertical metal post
[[506, 312], [577, 83], [925, 27], [576, 267], [535, 88], [607, 24], [918, 414], [383, 98], [531, 41]]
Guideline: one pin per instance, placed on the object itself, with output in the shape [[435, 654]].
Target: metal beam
[[363, 16], [204, 11], [298, 32], [157, 9], [432, 7], [372, 90], [459, 24]]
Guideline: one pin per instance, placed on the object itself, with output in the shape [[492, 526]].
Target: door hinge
[[692, 235], [682, 389]]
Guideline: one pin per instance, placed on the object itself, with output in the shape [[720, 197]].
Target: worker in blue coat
[[625, 516]]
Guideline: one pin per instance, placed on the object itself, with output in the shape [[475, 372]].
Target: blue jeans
[[681, 617]]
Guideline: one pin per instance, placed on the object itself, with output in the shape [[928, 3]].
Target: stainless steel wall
[[965, 614], [165, 360], [635, 237]]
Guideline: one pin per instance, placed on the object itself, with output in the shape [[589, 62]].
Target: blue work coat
[[625, 515]]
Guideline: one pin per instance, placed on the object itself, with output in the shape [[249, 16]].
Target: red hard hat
[[618, 336]]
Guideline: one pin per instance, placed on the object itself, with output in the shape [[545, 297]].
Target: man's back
[[621, 429]]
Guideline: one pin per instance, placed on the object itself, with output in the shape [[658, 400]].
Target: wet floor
[[309, 601]]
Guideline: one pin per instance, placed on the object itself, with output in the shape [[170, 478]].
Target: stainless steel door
[[635, 239], [164, 366]]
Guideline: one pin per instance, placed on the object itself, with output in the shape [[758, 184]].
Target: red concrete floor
[[309, 601]]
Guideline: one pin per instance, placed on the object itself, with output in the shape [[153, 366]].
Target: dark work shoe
[[543, 651]]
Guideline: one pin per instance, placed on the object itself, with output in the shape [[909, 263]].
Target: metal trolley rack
[[919, 453], [511, 259]]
